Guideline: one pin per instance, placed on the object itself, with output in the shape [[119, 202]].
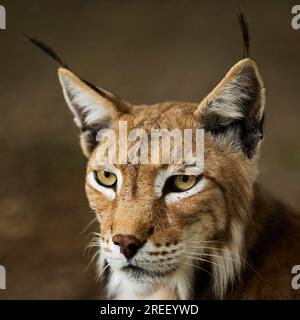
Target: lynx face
[[160, 224]]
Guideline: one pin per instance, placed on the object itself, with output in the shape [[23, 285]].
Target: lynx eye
[[105, 178], [184, 182]]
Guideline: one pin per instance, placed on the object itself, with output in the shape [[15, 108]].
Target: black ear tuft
[[48, 50], [244, 24]]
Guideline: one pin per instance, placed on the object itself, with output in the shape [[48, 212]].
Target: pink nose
[[129, 245]]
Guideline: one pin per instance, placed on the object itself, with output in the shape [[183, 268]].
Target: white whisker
[[197, 267], [199, 247], [204, 241], [88, 226], [100, 274], [204, 260]]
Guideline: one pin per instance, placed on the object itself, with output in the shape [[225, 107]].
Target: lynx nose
[[129, 245]]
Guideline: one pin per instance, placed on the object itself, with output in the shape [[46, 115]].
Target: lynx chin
[[172, 231]]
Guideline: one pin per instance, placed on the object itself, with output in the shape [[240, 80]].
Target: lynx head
[[161, 225]]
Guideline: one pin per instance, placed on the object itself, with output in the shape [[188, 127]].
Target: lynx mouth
[[134, 270], [139, 273]]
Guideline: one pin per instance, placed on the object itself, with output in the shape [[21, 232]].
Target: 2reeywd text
[[147, 309]]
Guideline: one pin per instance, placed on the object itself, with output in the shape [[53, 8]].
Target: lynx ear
[[236, 107], [92, 107]]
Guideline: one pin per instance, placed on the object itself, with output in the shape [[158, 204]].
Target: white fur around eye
[[108, 192], [176, 196]]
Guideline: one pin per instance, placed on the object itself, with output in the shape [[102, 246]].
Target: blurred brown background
[[145, 51]]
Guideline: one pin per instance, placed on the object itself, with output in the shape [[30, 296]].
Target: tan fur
[[247, 241]]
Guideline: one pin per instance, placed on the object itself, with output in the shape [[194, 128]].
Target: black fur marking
[[91, 133], [244, 24], [248, 137], [95, 88], [48, 50]]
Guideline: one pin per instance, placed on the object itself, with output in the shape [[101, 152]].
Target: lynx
[[171, 231]]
